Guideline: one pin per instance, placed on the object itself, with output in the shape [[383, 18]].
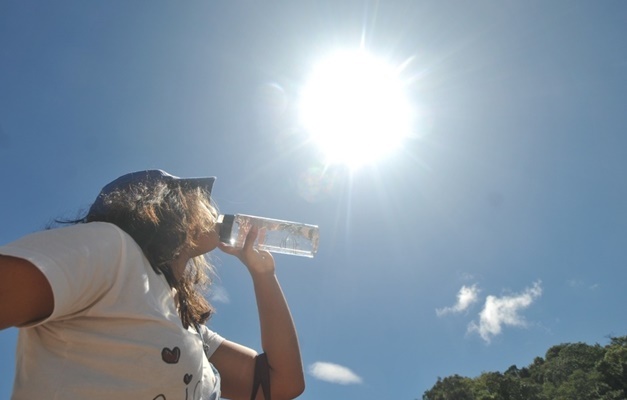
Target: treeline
[[569, 371]]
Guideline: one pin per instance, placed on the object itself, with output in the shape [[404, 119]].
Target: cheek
[[209, 241]]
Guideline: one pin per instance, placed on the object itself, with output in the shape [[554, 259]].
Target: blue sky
[[498, 230]]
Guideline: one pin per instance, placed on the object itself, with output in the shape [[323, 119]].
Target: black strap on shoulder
[[262, 377]]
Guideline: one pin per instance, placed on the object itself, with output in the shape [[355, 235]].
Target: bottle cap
[[226, 225]]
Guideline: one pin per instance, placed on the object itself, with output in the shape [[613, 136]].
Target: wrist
[[262, 275]]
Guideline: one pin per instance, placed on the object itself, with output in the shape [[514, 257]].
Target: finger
[[227, 248], [250, 238]]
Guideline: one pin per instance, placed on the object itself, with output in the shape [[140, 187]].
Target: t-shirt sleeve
[[211, 339], [81, 263]]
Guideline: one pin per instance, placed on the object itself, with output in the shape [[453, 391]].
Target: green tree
[[450, 388], [569, 371], [580, 385], [613, 366], [565, 359], [508, 386]]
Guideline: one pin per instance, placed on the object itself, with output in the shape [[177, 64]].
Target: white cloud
[[333, 373], [580, 284], [501, 311], [465, 298], [575, 283], [219, 294]]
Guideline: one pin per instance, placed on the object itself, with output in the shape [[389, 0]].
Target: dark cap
[[148, 177]]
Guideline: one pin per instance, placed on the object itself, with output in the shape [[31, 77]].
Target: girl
[[111, 305]]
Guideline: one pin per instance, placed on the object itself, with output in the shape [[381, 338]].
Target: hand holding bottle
[[257, 261]]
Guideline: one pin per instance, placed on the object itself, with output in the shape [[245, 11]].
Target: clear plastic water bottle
[[275, 235]]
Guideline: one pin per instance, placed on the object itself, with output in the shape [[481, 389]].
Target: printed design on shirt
[[187, 378], [196, 395], [171, 356]]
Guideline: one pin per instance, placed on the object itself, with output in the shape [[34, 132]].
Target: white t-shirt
[[115, 332]]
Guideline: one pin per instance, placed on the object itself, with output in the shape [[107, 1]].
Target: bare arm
[[278, 335], [25, 294]]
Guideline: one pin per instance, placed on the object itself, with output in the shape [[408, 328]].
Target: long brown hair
[[164, 218]]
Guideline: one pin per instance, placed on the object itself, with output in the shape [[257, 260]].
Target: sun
[[355, 108]]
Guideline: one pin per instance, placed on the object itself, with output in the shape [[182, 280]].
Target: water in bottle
[[275, 235]]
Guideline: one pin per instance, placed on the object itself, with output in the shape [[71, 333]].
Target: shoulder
[[87, 234], [100, 238], [90, 229], [77, 231], [84, 245], [81, 263]]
